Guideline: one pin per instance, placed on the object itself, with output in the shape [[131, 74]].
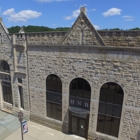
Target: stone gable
[[83, 33], [4, 38]]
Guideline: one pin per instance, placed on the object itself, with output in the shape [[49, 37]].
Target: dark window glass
[[21, 96], [5, 77], [59, 112], [110, 107], [6, 82], [100, 123], [87, 86], [107, 124], [80, 88], [49, 109], [53, 83], [20, 80], [102, 107], [7, 92], [54, 97], [54, 111], [4, 67], [80, 93], [80, 84], [115, 127], [74, 84], [117, 111]]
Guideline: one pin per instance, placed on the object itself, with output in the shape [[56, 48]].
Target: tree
[[31, 28]]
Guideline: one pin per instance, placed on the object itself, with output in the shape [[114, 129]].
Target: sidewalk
[[10, 130]]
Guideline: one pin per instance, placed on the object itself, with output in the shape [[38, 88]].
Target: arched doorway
[[6, 82], [110, 108], [79, 107], [54, 97]]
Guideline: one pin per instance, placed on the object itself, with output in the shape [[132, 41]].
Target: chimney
[[83, 9]]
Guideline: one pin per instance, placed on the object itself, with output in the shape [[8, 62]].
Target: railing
[[79, 102], [54, 97]]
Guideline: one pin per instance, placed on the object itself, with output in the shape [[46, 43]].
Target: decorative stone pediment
[[83, 33], [4, 38]]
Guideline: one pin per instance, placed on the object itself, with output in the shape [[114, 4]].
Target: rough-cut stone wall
[[110, 38], [121, 38], [7, 53], [21, 72], [97, 67], [4, 38], [48, 38]]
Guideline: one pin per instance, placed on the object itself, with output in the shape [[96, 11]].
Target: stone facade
[[96, 56]]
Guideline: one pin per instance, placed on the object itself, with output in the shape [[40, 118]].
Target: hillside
[[31, 28]]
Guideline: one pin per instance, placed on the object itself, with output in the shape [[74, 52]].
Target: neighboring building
[[83, 81]]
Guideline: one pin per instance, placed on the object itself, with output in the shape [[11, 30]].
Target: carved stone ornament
[[83, 33]]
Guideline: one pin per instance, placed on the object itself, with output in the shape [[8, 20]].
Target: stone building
[[83, 81]]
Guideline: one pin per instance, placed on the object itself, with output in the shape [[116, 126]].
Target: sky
[[123, 14]]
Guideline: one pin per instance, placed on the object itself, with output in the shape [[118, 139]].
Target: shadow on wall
[[138, 135], [65, 126]]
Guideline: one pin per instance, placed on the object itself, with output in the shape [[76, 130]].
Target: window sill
[[21, 109], [105, 136], [7, 107], [7, 110], [54, 120], [22, 73], [9, 104]]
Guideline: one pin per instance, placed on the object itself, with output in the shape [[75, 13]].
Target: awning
[[78, 111]]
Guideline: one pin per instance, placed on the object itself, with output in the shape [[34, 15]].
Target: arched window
[[80, 93], [54, 97], [110, 108], [6, 82], [4, 67], [79, 106]]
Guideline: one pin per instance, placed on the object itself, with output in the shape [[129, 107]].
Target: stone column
[[1, 95], [65, 107], [14, 53], [93, 119]]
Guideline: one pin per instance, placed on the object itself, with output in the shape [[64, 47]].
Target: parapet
[[121, 38], [111, 38]]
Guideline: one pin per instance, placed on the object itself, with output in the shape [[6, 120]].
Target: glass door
[[82, 126], [78, 126], [74, 125]]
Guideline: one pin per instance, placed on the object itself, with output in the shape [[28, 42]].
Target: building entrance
[[79, 107], [79, 124]]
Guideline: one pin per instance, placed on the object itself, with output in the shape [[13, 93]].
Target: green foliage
[[116, 29], [31, 28], [112, 29], [137, 28], [15, 29]]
